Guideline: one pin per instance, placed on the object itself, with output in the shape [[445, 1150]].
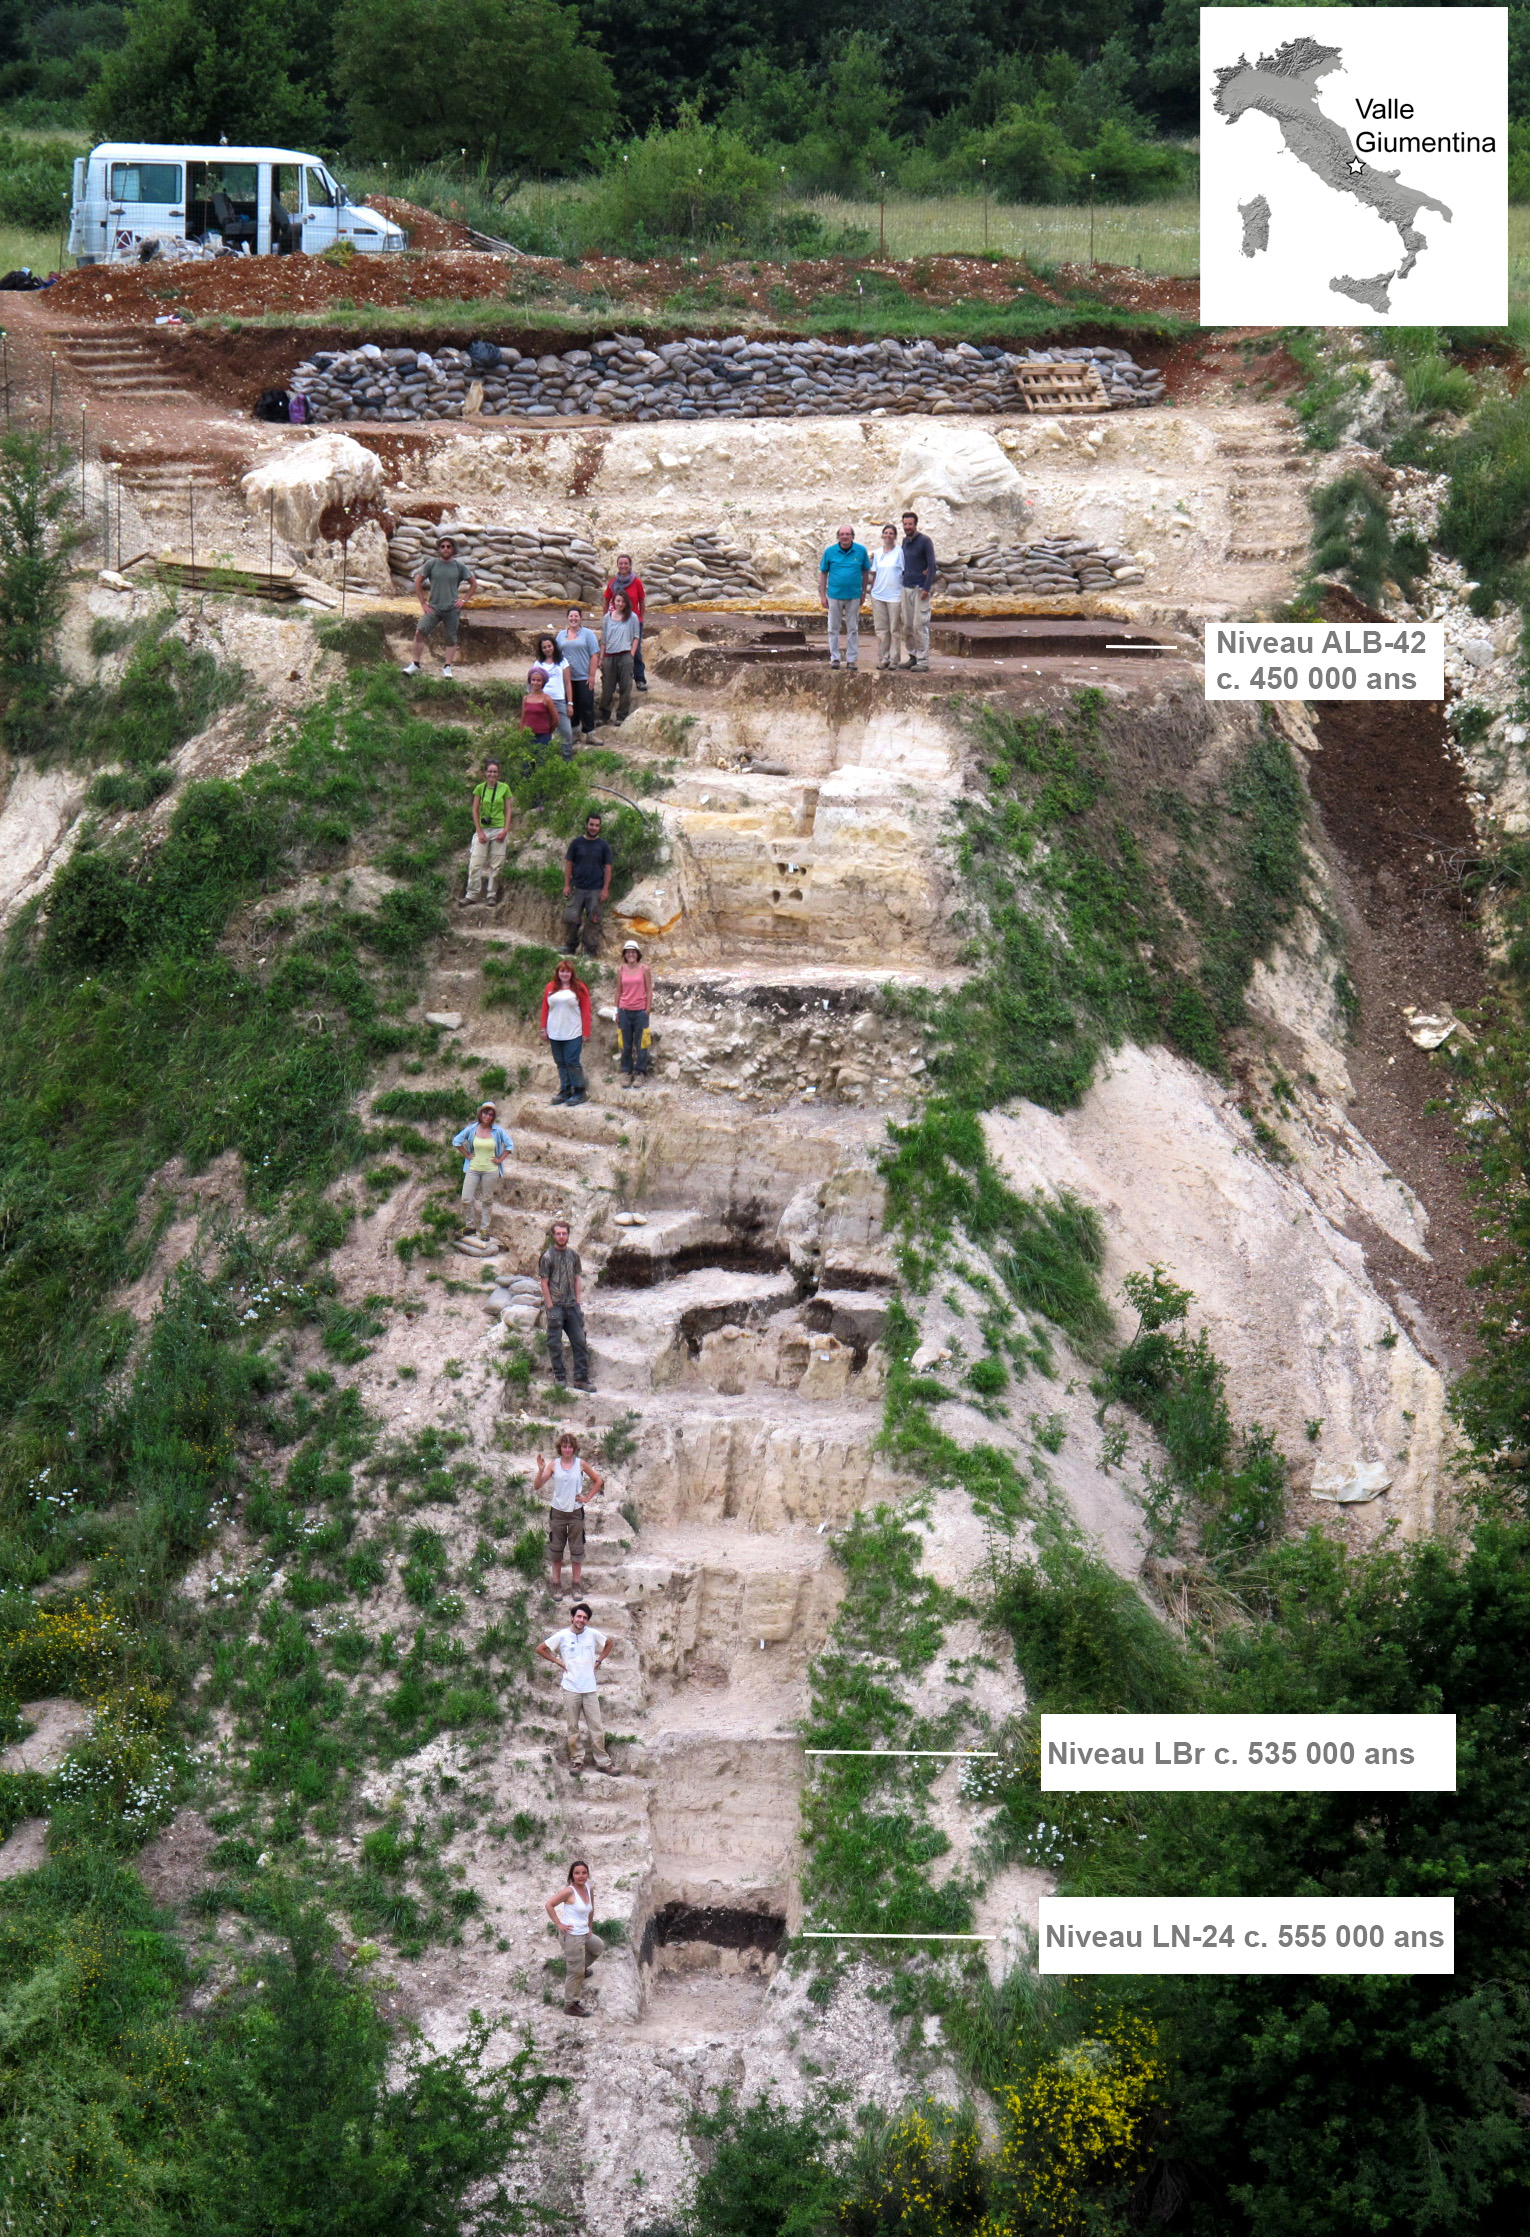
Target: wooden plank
[[246, 582], [1061, 388]]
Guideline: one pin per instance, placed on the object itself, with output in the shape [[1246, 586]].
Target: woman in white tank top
[[571, 1910]]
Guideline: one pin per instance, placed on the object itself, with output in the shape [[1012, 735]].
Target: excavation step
[[1043, 639]]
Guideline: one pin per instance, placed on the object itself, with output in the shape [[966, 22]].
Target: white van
[[269, 200]]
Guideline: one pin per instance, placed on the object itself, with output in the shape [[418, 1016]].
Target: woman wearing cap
[[487, 1145], [566, 1023], [555, 685], [634, 1000]]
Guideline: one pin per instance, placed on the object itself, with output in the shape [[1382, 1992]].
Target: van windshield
[[145, 182], [321, 192]]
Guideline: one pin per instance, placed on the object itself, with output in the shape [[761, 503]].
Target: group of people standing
[[900, 581], [571, 663]]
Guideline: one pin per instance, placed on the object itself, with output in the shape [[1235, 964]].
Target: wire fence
[[1162, 237]]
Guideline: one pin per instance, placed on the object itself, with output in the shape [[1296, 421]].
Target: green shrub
[[314, 2126], [129, 790]]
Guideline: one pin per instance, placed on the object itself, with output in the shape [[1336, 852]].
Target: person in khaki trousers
[[571, 1911], [887, 597]]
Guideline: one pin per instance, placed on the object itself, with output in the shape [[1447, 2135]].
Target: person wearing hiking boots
[[579, 1652], [634, 1003], [439, 586], [487, 1145], [618, 648], [587, 865], [918, 587], [491, 834], [559, 1270], [566, 1022], [887, 597], [571, 1910], [631, 586], [579, 649], [568, 1475], [843, 573]]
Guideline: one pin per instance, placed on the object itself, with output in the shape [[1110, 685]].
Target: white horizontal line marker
[[849, 1935], [970, 1753]]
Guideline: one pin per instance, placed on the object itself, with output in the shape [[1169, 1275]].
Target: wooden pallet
[[277, 585], [1061, 388]]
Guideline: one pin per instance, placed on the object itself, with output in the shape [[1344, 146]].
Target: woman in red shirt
[[536, 708], [566, 1028], [631, 587]]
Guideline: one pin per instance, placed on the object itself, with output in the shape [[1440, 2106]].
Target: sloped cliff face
[[812, 913]]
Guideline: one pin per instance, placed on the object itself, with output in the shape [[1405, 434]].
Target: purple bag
[[297, 410]]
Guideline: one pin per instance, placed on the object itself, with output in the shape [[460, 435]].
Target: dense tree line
[[881, 85]]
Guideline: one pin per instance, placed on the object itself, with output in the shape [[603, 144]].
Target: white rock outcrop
[[306, 480], [959, 465]]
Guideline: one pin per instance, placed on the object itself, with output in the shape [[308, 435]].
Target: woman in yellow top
[[487, 1145]]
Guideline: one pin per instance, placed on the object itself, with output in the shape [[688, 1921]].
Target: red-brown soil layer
[[443, 269]]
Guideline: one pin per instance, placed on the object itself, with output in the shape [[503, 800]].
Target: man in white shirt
[[579, 1652], [887, 597]]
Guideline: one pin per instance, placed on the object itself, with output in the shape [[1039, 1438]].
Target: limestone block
[[828, 1368], [960, 465], [769, 1605], [305, 480]]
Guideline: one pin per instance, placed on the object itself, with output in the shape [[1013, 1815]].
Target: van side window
[[320, 193], [145, 182]]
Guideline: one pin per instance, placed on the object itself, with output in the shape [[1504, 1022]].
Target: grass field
[[39, 251], [1154, 236]]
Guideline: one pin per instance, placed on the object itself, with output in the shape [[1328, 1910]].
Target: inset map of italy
[[1302, 222]]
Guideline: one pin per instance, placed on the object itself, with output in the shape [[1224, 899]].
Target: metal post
[[5, 358], [191, 509], [345, 562], [117, 476], [1091, 221], [271, 535], [882, 217], [52, 401], [82, 462], [985, 205]]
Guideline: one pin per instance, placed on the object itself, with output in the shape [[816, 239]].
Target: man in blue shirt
[[918, 583], [843, 573]]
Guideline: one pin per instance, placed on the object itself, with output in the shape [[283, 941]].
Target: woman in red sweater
[[566, 1027], [631, 587]]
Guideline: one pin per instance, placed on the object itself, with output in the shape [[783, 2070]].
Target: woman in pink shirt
[[634, 1000]]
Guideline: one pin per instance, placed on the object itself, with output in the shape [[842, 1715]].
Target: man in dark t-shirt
[[586, 882], [439, 586]]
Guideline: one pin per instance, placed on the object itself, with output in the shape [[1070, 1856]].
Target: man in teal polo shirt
[[843, 573]]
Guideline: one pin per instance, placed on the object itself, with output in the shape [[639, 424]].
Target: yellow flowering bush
[[930, 2180], [77, 1650], [1080, 2125]]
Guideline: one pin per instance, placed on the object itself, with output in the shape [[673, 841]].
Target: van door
[[321, 209], [285, 208], [144, 202]]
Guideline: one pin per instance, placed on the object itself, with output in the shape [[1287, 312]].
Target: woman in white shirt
[[556, 690], [887, 597], [571, 1910], [566, 1024]]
